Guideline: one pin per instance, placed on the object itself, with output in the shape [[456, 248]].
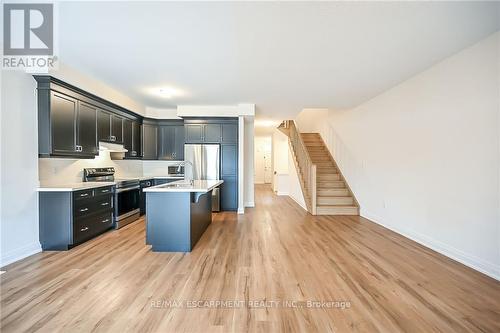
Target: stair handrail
[[307, 169]]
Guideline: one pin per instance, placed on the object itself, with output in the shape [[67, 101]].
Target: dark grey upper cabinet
[[117, 129], [166, 142], [136, 139], [103, 126], [211, 133], [127, 136], [63, 113], [86, 128], [229, 133], [179, 143], [171, 142], [194, 133], [71, 121], [149, 141]]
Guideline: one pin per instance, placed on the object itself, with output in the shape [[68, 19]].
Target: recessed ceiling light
[[167, 92]]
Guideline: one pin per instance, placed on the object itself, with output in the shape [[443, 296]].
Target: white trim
[[20, 253], [298, 203], [241, 165], [250, 204], [282, 193], [473, 262]]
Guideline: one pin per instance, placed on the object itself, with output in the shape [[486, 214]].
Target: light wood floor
[[276, 252]]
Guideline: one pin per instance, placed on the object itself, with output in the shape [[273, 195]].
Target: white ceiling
[[282, 56]]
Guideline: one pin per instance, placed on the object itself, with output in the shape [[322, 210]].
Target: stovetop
[[107, 175]]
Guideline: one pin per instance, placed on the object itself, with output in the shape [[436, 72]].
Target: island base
[[175, 221]]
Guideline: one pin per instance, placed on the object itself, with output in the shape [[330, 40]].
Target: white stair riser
[[329, 210], [335, 201]]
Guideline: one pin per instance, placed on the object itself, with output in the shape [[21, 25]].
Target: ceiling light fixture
[[167, 92]]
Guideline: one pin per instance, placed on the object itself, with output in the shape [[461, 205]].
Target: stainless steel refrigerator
[[202, 161]]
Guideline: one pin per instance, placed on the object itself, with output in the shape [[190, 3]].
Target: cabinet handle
[[104, 191], [105, 221], [83, 195], [84, 229], [84, 210], [105, 204]]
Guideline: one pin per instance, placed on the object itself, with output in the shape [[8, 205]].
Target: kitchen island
[[178, 214]]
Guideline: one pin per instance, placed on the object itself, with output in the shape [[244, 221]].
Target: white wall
[[294, 188], [248, 174], [423, 158], [19, 168], [307, 120]]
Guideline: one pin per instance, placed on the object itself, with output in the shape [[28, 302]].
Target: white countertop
[[160, 177], [77, 186], [69, 187], [202, 186]]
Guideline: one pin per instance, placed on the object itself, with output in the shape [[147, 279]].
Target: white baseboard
[[250, 204], [20, 253], [468, 260], [298, 203], [241, 210], [282, 193]]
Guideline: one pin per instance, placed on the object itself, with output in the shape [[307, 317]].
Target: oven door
[[127, 202]]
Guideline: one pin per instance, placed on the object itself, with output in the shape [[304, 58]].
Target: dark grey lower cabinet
[[229, 193], [71, 218]]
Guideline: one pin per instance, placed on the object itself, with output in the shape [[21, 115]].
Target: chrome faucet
[[183, 163]]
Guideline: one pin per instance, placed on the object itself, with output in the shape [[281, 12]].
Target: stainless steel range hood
[[112, 147]]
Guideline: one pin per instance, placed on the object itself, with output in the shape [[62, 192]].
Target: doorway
[[263, 160]]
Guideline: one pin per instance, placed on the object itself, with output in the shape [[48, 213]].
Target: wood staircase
[[333, 196], [323, 186]]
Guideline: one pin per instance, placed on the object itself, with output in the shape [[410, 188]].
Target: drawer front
[[83, 230], [91, 226], [84, 194], [103, 191], [97, 204], [103, 221]]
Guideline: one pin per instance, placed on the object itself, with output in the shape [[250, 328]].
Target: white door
[[268, 172]]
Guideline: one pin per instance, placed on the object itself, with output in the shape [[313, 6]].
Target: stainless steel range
[[127, 194]]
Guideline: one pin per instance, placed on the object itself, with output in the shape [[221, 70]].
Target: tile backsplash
[[68, 170]]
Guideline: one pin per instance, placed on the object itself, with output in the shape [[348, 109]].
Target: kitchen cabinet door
[[103, 126], [229, 160], [136, 139], [86, 129], [127, 136], [116, 129], [194, 133], [179, 143], [166, 141], [63, 113], [229, 193], [149, 142], [211, 133], [229, 133]]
